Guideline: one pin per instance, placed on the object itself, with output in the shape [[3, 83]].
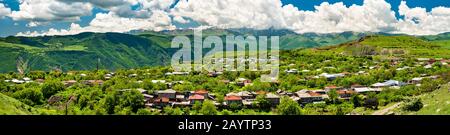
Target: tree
[[208, 108], [333, 95], [29, 96], [132, 99], [289, 107], [413, 104], [262, 102], [197, 106], [220, 98], [357, 100], [110, 102], [51, 87]]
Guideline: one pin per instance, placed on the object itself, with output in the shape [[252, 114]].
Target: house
[[202, 92], [233, 99], [158, 81], [225, 81], [306, 96], [331, 76], [16, 81], [93, 82], [180, 98], [332, 87], [196, 98], [416, 80], [388, 83], [169, 93], [292, 71], [161, 101], [353, 86], [142, 91], [243, 82], [423, 59], [366, 89], [246, 95], [148, 98], [345, 94], [69, 83], [40, 80], [273, 99]]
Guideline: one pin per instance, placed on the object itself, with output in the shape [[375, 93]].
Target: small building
[[202, 92], [93, 82], [169, 93], [332, 87], [196, 98], [416, 80], [233, 99], [246, 95], [273, 99], [180, 98], [308, 96], [161, 102], [69, 83], [243, 82], [366, 90], [148, 98], [345, 94]]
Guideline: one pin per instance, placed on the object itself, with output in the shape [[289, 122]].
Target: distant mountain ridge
[[113, 51]]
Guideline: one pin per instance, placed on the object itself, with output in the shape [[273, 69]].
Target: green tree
[[357, 100], [30, 96], [220, 98], [288, 106], [333, 95], [197, 106], [413, 104], [132, 99], [51, 87], [262, 102], [208, 108]]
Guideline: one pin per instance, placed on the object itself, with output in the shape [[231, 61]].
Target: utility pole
[[98, 62]]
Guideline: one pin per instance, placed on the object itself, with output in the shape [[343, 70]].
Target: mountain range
[[88, 51]]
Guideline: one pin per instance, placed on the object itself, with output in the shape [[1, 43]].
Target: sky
[[66, 17]]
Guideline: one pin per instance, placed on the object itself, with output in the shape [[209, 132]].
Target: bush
[[52, 87], [30, 96], [289, 107], [413, 104]]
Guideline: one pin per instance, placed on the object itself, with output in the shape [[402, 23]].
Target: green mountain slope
[[392, 46], [82, 52], [11, 106]]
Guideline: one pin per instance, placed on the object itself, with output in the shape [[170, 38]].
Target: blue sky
[[13, 24]]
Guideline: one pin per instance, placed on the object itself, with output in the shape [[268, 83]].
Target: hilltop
[[82, 52]]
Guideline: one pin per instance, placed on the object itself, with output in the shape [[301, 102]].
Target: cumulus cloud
[[4, 11], [110, 22], [420, 22], [41, 11], [371, 16]]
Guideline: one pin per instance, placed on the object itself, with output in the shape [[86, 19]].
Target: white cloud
[[4, 11], [371, 16], [38, 11], [420, 22], [110, 22]]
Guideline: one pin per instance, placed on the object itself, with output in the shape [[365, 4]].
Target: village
[[158, 99]]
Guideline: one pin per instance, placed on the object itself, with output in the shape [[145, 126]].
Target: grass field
[[434, 103]]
